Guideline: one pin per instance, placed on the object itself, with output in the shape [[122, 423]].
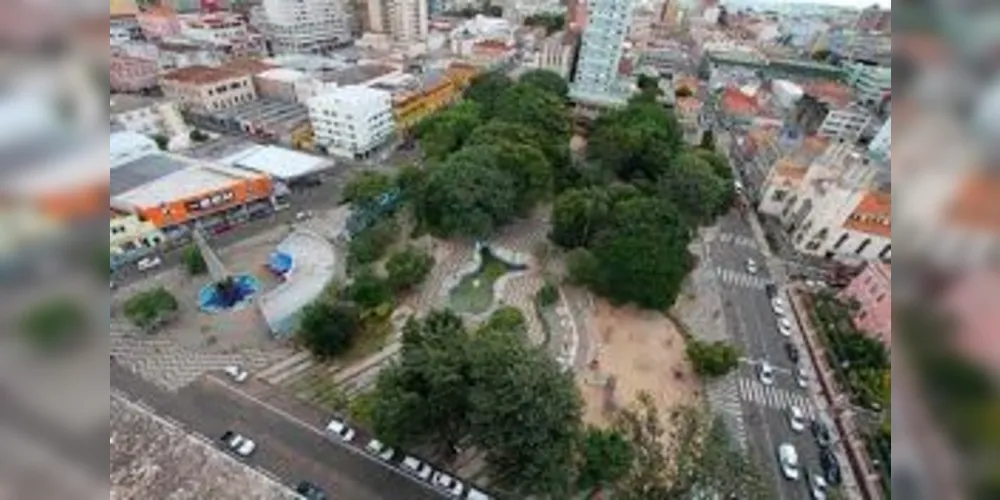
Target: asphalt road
[[290, 446]]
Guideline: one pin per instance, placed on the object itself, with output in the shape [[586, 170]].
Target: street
[[292, 447]]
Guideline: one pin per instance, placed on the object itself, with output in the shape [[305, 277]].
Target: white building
[[402, 20], [881, 146], [599, 79], [871, 83], [303, 26], [218, 27], [352, 121], [147, 116], [554, 53], [847, 122], [831, 208]]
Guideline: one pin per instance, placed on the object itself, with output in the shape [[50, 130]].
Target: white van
[[474, 494]]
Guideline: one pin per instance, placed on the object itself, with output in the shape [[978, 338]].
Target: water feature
[[232, 293], [474, 293]]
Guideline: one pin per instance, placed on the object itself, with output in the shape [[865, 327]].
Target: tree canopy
[[194, 262], [529, 105], [606, 456], [408, 268], [713, 359], [547, 80], [551, 21], [484, 90], [692, 183], [54, 324], [446, 131], [636, 142], [467, 195], [368, 290], [365, 188], [453, 387], [327, 328], [148, 310]]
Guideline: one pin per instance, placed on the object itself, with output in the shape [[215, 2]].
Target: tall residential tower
[[603, 70]]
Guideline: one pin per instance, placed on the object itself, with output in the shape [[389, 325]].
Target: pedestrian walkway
[[724, 399], [737, 239], [780, 399], [740, 279]]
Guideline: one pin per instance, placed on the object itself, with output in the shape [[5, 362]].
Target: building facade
[[599, 78], [402, 20], [881, 146], [872, 290], [147, 116], [206, 89], [554, 53], [352, 121], [158, 22], [303, 26], [132, 74], [219, 27], [871, 83]]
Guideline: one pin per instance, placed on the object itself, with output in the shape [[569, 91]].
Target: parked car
[[340, 429], [303, 215], [821, 432], [238, 444], [802, 378], [792, 351], [448, 484], [236, 373], [766, 374], [379, 449], [417, 468], [148, 263], [831, 466], [771, 289], [784, 331], [788, 459], [778, 306], [751, 266], [785, 323], [817, 487], [310, 491], [796, 419], [474, 494]]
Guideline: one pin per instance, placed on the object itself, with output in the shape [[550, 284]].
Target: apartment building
[[147, 116], [829, 109], [132, 74], [402, 20], [303, 26], [881, 146], [207, 89], [219, 27], [352, 121], [554, 53], [602, 70], [158, 22], [872, 290], [871, 83]]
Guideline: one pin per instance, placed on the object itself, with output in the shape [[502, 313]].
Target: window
[[880, 298], [864, 244], [841, 241]]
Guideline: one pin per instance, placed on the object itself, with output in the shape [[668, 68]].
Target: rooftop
[[142, 171], [835, 94], [688, 105], [735, 102], [123, 103], [355, 75], [278, 162], [873, 215], [976, 204], [206, 74], [267, 112]]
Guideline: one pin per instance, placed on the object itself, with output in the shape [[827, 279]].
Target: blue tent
[[279, 262]]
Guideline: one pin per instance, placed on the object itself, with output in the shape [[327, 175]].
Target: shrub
[[548, 295], [150, 309], [408, 268], [713, 359], [327, 329], [193, 261], [54, 325]]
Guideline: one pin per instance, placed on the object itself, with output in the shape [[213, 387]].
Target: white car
[[751, 266], [817, 487], [802, 378], [379, 449], [448, 484], [796, 419], [474, 494], [784, 330], [239, 444], [340, 429], [766, 374], [778, 306], [303, 215], [417, 468], [148, 263], [785, 323], [236, 373], [788, 458]]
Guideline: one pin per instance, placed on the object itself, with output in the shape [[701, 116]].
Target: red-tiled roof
[[977, 203], [735, 102], [206, 74], [830, 92], [873, 215]]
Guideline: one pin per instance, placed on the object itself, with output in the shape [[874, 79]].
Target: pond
[[474, 294]]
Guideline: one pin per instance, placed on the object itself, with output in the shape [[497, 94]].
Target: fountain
[[226, 292], [474, 293]]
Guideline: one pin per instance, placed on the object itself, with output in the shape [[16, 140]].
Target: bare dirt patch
[[639, 351]]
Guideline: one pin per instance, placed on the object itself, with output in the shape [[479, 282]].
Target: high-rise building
[[602, 71], [304, 26], [402, 20], [875, 19]]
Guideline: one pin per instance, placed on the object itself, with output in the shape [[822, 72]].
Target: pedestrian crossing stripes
[[737, 278], [737, 239], [724, 400], [754, 391]]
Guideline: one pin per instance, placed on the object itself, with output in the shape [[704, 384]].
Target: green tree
[[198, 136], [485, 89], [495, 131], [582, 267], [712, 359], [371, 244], [637, 142], [489, 390], [551, 21], [707, 140], [150, 309], [507, 319], [194, 262], [606, 456], [691, 183], [527, 105], [577, 215], [548, 295], [369, 291], [546, 80], [525, 165], [162, 141], [446, 131], [650, 474], [649, 85], [365, 187], [467, 196], [54, 324], [327, 329], [718, 161], [643, 254], [408, 268]]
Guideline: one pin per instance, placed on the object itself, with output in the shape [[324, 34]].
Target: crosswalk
[[773, 397], [724, 400], [740, 279], [737, 239]]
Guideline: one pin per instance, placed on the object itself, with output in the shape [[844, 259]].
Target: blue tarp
[[279, 262]]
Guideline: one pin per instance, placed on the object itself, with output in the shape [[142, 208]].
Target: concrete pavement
[[291, 443]]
